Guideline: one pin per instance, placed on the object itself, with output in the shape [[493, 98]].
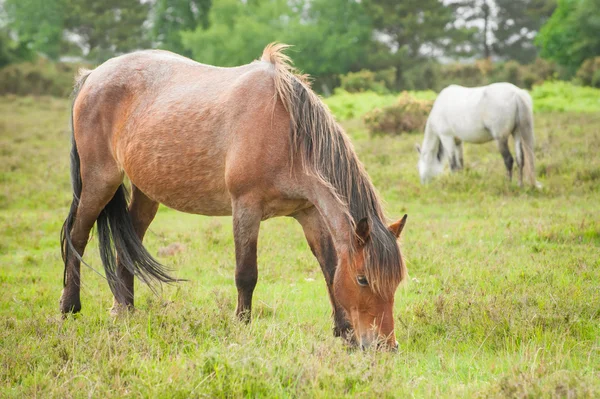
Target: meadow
[[503, 298]]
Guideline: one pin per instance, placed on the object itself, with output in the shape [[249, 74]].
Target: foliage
[[41, 77], [38, 24], [363, 80], [406, 115], [589, 72], [571, 35], [171, 17], [107, 27], [249, 26], [502, 301], [12, 50], [98, 28], [480, 72]]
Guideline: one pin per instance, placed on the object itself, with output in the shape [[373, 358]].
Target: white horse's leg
[[506, 155], [519, 157], [450, 152], [459, 153]]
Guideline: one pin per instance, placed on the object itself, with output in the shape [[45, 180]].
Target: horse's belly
[[191, 196], [186, 178], [471, 134], [194, 200], [477, 137]]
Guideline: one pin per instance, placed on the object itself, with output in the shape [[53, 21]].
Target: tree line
[[330, 37]]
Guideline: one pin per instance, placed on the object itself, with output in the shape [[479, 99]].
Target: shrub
[[511, 72], [364, 80], [538, 72], [408, 114], [483, 72], [40, 77], [421, 77], [469, 75], [565, 97], [589, 72], [387, 77]]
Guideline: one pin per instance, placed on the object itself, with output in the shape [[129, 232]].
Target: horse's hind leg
[[142, 210], [247, 214], [508, 159], [519, 157], [96, 193], [322, 247]]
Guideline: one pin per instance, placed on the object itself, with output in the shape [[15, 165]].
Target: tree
[[98, 29], [325, 49], [505, 28], [171, 17], [571, 35], [477, 13], [330, 37], [107, 27], [412, 31], [38, 24], [517, 23]]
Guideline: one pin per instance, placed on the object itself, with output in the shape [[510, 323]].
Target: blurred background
[[356, 45]]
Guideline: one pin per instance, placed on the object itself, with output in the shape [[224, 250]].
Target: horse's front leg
[[247, 215], [506, 155], [321, 245]]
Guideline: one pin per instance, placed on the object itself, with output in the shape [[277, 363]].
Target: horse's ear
[[418, 148], [363, 231], [396, 227]]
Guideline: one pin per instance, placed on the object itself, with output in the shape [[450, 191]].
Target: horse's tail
[[65, 232], [116, 233], [524, 128]]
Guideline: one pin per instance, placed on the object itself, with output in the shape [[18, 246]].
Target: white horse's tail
[[524, 129]]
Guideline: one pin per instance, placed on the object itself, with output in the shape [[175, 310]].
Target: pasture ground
[[503, 298]]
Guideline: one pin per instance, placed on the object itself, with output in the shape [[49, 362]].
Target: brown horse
[[252, 141]]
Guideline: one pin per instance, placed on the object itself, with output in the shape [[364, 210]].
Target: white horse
[[478, 115]]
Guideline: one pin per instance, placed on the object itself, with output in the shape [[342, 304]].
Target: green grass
[[503, 299]]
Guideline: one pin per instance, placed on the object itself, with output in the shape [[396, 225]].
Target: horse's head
[[430, 164], [368, 300]]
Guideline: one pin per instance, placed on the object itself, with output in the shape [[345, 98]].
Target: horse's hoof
[[120, 309], [244, 316], [69, 305], [345, 332]]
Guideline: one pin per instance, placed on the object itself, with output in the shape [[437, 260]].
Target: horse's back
[[182, 131], [475, 114]]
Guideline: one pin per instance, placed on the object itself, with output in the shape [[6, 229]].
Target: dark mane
[[327, 153]]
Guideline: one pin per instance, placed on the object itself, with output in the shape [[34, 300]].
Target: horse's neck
[[431, 142], [336, 218]]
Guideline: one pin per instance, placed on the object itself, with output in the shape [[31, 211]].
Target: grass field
[[503, 298]]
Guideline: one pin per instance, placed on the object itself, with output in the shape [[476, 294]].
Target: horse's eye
[[362, 280]]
